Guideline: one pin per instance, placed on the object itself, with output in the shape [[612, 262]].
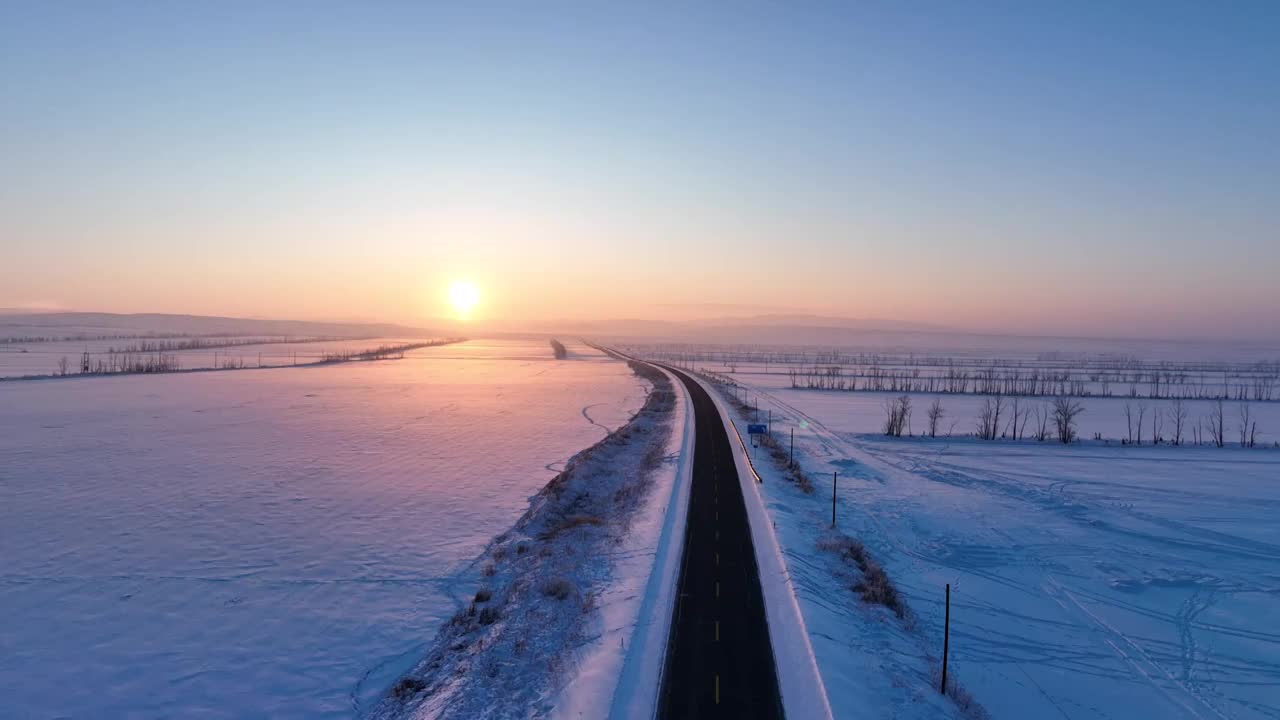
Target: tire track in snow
[[1142, 663], [591, 420]]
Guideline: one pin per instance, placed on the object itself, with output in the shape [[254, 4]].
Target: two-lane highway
[[719, 659]]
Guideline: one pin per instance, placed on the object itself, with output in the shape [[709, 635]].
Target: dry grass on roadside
[[558, 588], [569, 522], [875, 586]]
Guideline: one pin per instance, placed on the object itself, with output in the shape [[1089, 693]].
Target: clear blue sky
[[1107, 168]]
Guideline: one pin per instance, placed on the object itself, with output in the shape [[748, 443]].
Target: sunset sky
[[1063, 168]]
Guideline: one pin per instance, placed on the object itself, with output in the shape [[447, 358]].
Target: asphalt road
[[719, 659]]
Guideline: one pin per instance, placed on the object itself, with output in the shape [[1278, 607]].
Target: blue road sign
[[754, 429]]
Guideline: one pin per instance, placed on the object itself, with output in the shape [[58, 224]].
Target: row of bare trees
[[1213, 426], [1013, 418], [209, 343], [1051, 375], [83, 337], [116, 363], [1035, 382], [1126, 365], [121, 363], [998, 417], [382, 352]]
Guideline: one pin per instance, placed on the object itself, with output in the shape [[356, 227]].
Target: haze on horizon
[[1077, 169]]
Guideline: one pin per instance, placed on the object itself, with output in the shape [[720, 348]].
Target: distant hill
[[792, 329]]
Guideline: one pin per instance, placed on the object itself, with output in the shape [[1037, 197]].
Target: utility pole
[[946, 640], [833, 497]]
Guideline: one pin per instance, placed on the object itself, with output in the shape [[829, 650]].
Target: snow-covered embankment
[[569, 615]]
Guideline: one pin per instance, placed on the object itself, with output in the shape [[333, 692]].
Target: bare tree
[[1065, 412], [1157, 426], [1142, 414], [897, 415], [1011, 425], [1245, 425], [1042, 422], [1128, 422], [935, 414], [1179, 415], [995, 418], [1215, 424], [1018, 420], [989, 417], [63, 365]]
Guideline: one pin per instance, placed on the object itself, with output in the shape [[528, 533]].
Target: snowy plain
[[277, 542], [863, 411], [20, 360], [1089, 581]]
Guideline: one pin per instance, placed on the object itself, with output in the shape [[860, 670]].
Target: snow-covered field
[[42, 358], [863, 412], [570, 610], [1089, 581], [278, 543]]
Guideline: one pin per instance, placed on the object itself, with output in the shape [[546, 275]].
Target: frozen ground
[[274, 543], [1088, 581]]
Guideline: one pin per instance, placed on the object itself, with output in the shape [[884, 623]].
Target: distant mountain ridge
[[778, 329]]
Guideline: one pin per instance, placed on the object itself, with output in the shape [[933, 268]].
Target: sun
[[464, 296]]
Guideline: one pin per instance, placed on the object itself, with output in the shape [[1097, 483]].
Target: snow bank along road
[[719, 659]]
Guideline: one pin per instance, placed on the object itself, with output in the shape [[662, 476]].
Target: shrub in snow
[[558, 588], [875, 586], [407, 687]]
